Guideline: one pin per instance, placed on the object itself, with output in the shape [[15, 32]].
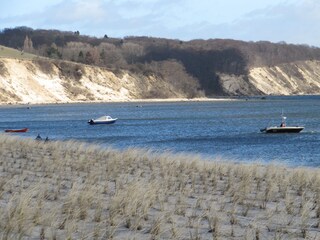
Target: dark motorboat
[[296, 129], [283, 128], [17, 130], [103, 120]]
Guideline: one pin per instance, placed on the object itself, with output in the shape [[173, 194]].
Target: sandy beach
[[72, 190], [148, 100]]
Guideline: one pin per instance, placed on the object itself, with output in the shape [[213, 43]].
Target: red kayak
[[17, 130]]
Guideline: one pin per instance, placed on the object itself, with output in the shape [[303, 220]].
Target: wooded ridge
[[215, 67]]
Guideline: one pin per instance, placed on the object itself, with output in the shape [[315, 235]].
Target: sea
[[215, 130]]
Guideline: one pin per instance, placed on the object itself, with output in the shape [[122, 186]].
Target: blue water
[[225, 129]]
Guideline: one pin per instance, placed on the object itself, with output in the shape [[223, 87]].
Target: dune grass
[[6, 52], [72, 190]]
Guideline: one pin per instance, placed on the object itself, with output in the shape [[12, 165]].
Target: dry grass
[[6, 52], [70, 190]]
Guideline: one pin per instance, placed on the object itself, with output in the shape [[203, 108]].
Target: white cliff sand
[[23, 81]]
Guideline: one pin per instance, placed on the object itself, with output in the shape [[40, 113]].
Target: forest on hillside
[[180, 61]]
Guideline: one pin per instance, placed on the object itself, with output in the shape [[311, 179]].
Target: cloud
[[293, 21], [78, 11]]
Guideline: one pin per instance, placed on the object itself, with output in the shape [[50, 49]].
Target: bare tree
[[132, 51], [110, 55]]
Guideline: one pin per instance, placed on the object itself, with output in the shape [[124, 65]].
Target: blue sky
[[292, 21]]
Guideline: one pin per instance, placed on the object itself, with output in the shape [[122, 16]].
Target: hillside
[[47, 81], [6, 52], [84, 68], [296, 78]]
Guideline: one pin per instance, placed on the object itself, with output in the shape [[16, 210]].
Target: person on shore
[[38, 137]]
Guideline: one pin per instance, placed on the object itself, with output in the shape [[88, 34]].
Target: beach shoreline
[[153, 100]]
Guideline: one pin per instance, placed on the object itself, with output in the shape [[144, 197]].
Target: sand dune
[[72, 190]]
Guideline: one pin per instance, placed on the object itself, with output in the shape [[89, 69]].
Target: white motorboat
[[102, 120]]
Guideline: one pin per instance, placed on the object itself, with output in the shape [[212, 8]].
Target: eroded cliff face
[[298, 78], [287, 79], [23, 81]]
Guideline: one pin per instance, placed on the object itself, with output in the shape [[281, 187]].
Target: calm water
[[228, 129]]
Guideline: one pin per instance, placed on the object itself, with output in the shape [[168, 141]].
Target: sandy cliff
[[288, 79], [296, 78], [26, 81]]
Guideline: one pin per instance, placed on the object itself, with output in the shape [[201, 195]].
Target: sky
[[290, 21]]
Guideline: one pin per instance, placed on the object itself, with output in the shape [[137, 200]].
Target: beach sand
[[146, 100], [73, 190]]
